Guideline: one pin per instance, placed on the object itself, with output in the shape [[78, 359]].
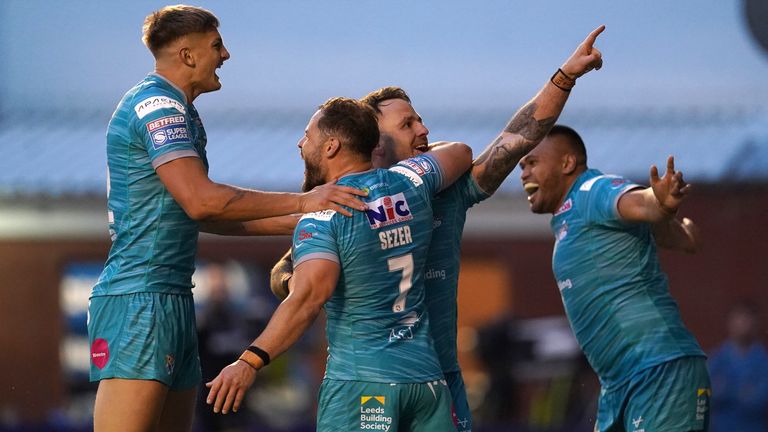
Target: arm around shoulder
[[454, 158]]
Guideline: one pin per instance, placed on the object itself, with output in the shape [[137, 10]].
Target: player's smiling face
[[209, 53], [403, 135], [543, 178], [310, 147]]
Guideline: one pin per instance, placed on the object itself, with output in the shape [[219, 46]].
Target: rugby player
[[652, 371], [367, 271], [141, 314]]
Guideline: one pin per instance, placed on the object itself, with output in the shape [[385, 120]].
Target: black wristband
[[263, 355], [562, 81]]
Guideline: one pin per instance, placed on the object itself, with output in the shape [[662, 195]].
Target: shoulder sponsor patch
[[388, 210], [168, 130], [324, 215], [412, 176], [155, 103]]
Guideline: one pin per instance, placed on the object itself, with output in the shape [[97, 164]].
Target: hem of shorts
[[420, 380], [187, 292], [629, 378]]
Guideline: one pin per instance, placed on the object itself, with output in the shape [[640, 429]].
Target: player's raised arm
[[534, 119], [658, 202], [202, 199], [313, 283]]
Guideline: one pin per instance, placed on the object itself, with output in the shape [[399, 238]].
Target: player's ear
[[569, 163], [332, 147], [186, 57]]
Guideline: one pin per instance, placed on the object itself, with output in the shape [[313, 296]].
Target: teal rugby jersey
[[615, 294], [377, 327], [153, 240], [442, 272]]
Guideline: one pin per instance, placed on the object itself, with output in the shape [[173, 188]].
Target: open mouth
[[531, 188], [422, 148]]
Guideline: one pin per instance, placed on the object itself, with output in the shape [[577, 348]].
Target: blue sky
[[84, 54]]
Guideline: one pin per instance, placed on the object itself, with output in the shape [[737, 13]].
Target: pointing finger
[[590, 40], [671, 164]]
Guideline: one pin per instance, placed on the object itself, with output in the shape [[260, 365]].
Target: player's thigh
[[357, 406], [671, 397], [462, 416], [144, 336], [178, 411], [125, 405], [428, 408]]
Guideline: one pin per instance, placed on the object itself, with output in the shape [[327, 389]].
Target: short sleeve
[[603, 193], [314, 238], [423, 171], [469, 191], [162, 123]]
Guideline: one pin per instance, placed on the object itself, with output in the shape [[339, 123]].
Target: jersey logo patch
[[166, 121], [412, 176], [155, 103], [388, 210], [169, 134], [323, 215], [567, 205]]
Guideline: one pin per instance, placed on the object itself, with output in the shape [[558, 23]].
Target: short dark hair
[[353, 122], [165, 25], [376, 97], [573, 139]]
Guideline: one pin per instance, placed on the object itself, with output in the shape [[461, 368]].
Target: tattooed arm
[[532, 122]]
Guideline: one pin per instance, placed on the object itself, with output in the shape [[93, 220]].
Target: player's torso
[[449, 208], [377, 326], [614, 292], [154, 241]]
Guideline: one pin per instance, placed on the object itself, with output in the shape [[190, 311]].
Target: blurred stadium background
[[684, 78]]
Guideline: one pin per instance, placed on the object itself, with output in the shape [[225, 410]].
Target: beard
[[313, 176]]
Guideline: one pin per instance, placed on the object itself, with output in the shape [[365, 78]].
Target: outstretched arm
[[677, 235], [532, 122], [278, 225], [204, 200], [658, 203], [314, 282]]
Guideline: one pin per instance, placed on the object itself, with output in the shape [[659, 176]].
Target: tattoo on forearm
[[239, 194], [500, 158]]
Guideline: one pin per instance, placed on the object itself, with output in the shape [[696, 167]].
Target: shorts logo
[[372, 414], [155, 103], [388, 210], [100, 353], [170, 362], [702, 403]]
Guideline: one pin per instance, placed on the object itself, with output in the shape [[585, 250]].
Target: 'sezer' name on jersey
[[388, 210], [395, 237]]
